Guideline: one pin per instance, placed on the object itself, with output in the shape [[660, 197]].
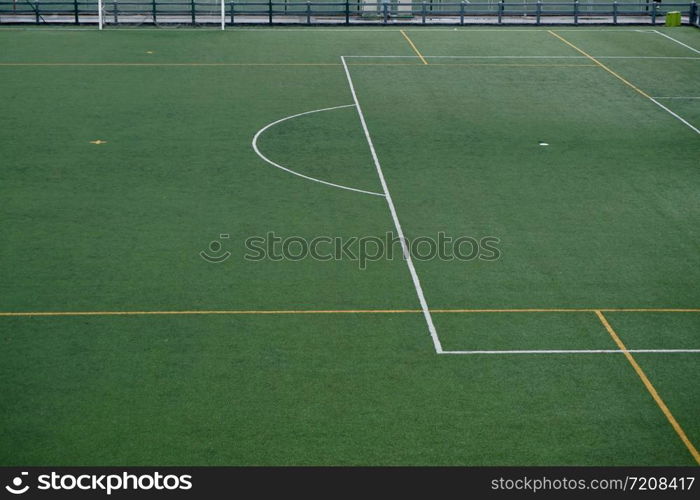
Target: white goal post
[[223, 14], [211, 14]]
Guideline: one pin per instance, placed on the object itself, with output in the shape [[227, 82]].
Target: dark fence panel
[[209, 12]]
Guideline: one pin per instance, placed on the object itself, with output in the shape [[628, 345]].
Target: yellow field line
[[519, 65], [155, 65], [166, 64], [204, 312], [516, 65], [647, 383], [562, 310], [623, 80], [330, 311], [413, 46]]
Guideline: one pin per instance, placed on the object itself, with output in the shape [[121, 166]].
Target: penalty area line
[[399, 231], [626, 82]]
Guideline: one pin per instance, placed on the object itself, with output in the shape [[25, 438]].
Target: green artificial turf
[[605, 216]]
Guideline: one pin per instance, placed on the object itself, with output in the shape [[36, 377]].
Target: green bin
[[673, 18]]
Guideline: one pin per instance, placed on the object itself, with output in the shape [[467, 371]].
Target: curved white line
[[257, 151]]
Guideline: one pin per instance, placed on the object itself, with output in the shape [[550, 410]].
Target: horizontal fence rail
[[111, 13]]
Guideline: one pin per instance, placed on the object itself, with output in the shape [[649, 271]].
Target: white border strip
[[265, 158], [397, 224], [691, 58], [579, 351]]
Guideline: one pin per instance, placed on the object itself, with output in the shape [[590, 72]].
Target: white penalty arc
[[281, 167]]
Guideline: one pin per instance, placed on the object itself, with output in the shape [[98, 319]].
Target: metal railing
[[209, 12]]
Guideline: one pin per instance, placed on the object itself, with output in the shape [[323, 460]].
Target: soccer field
[[138, 164]]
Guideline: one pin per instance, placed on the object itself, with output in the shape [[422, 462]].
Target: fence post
[[693, 15], [500, 12], [269, 12], [653, 13], [308, 12], [347, 11], [36, 11], [193, 12], [575, 11], [461, 13], [423, 12], [385, 5], [115, 6], [75, 12], [539, 11], [615, 12], [232, 14], [154, 11]]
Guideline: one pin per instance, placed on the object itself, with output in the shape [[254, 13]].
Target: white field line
[[686, 122], [676, 97], [626, 82], [265, 158], [578, 351], [677, 41], [691, 58], [628, 30], [397, 224]]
